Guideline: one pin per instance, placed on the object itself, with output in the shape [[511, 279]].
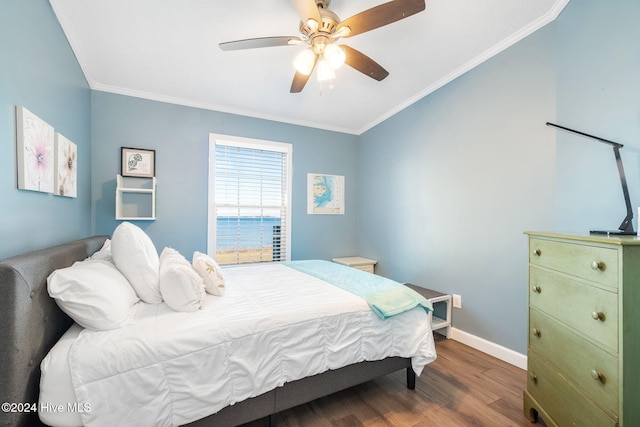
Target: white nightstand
[[364, 264], [441, 320]]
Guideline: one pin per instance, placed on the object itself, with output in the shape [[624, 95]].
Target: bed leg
[[272, 421], [411, 379]]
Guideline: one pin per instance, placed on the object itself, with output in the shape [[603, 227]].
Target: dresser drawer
[[593, 263], [561, 400], [591, 368], [588, 309]]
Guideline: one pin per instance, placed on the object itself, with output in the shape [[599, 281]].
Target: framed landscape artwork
[[325, 194]]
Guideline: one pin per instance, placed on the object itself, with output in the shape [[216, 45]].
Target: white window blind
[[251, 201]]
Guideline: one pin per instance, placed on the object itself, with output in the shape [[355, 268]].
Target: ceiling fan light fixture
[[335, 56], [304, 61], [312, 24], [325, 72]]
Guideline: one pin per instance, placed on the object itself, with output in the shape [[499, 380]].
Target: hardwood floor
[[463, 387]]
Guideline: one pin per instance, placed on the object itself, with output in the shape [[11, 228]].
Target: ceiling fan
[[321, 28]]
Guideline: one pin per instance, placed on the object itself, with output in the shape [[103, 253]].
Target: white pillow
[[210, 272], [137, 258], [94, 294], [104, 253], [181, 287]]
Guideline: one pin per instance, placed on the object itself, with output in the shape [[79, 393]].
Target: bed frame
[[31, 323]]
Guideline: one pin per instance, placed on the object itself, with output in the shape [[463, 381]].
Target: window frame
[[250, 143]]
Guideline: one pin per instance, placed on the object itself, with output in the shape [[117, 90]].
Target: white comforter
[[171, 368]]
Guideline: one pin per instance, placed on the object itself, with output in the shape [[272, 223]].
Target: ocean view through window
[[249, 200]]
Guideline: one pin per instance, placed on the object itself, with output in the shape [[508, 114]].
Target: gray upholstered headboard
[[31, 322]]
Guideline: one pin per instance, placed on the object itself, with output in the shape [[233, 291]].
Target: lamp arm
[[626, 225]]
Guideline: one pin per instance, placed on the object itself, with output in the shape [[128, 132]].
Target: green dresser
[[584, 330]]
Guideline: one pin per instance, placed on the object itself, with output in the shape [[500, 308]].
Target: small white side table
[[364, 264], [437, 323]]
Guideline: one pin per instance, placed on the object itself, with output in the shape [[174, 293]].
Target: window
[[249, 200]]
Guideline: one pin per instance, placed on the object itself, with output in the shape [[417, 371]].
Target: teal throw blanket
[[385, 296]]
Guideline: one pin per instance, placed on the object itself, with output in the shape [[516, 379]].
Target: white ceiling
[[167, 50]]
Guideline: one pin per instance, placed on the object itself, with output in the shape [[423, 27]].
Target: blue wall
[[467, 170], [598, 93], [39, 71], [473, 165], [180, 136]]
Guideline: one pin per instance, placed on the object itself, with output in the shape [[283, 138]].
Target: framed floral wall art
[[65, 167], [138, 162], [34, 152]]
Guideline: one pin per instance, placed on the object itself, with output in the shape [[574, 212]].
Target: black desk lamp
[[626, 228]]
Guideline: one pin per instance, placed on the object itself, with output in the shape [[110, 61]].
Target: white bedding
[[170, 368]]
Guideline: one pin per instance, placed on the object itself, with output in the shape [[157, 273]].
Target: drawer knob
[[537, 289], [598, 315], [533, 377], [598, 265], [537, 332], [537, 252], [598, 376]]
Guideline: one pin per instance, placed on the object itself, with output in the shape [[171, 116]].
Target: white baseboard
[[496, 350]]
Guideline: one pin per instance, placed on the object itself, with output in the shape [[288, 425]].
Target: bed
[[32, 323]]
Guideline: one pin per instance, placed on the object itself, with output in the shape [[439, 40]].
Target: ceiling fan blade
[[300, 80], [261, 42], [381, 15], [307, 9], [361, 62]]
